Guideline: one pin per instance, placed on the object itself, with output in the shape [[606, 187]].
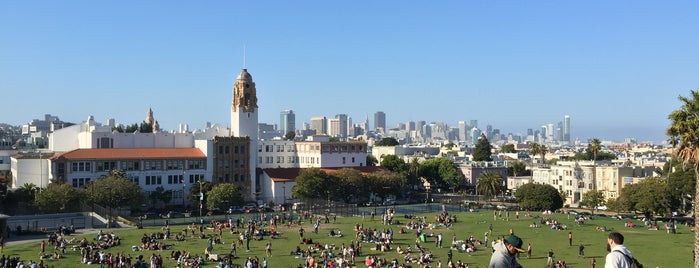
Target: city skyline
[[615, 68]]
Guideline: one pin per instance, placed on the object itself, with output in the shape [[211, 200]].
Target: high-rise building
[[380, 121], [549, 133], [462, 130], [475, 133], [559, 131], [319, 124], [474, 124], [287, 121], [342, 126], [410, 126], [566, 128], [334, 127]]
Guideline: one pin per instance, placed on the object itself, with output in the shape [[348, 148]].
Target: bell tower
[[244, 106], [244, 120]]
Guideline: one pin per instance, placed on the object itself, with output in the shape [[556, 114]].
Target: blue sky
[[616, 67]]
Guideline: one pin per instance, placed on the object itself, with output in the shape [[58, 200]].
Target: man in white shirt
[[617, 250]]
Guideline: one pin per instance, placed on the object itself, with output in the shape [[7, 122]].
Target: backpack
[[633, 262]]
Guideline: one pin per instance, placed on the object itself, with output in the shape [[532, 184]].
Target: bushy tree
[[651, 196], [371, 160], [508, 148], [538, 197], [517, 168], [160, 194], [313, 183], [394, 163], [114, 190], [592, 199], [387, 141], [222, 195], [441, 171], [58, 197], [483, 150]]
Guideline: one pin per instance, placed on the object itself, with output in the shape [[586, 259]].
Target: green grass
[[652, 248]]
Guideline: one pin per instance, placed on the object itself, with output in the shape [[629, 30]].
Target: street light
[[109, 207]]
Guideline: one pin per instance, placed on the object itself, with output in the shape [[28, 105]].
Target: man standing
[[570, 239], [549, 259], [619, 256], [581, 250], [504, 253]]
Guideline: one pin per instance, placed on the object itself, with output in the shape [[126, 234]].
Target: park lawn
[[652, 248]]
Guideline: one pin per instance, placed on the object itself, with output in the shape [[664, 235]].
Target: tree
[[592, 200], [131, 128], [351, 185], [538, 197], [482, 150], [195, 192], [681, 183], [442, 172], [684, 138], [114, 190], [518, 168], [593, 147], [58, 197], [414, 171], [394, 163], [371, 160], [290, 136], [449, 145], [387, 141], [489, 184], [160, 195], [508, 148], [534, 150], [385, 183], [223, 195], [145, 127], [312, 183]]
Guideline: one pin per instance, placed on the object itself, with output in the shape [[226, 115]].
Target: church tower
[[244, 119]]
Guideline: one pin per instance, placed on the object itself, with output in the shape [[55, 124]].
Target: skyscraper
[[342, 125], [462, 130], [287, 121], [380, 121], [566, 128], [318, 123]]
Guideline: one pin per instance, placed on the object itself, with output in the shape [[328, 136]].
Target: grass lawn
[[652, 248]]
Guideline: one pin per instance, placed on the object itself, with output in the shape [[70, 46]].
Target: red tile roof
[[126, 153], [290, 174]]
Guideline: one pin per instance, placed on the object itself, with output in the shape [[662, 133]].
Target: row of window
[[86, 166], [226, 149]]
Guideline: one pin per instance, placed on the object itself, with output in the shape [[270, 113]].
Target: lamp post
[[183, 186], [109, 208]]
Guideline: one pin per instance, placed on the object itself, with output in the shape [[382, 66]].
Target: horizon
[[615, 68]]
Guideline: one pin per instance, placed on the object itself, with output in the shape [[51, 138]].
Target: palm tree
[[489, 184], [534, 150], [684, 137], [543, 152], [594, 146], [413, 171]]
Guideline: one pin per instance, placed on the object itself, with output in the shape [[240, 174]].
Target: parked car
[[249, 209], [174, 214], [150, 215]]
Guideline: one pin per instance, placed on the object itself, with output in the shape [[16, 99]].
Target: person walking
[[549, 259], [581, 250], [268, 248], [504, 253], [570, 239], [619, 256], [593, 262], [529, 250]]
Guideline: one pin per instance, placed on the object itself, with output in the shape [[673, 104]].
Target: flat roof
[[135, 153]]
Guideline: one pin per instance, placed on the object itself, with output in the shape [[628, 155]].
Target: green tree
[[371, 160], [534, 150], [414, 171], [58, 197], [160, 194], [387, 141], [145, 127], [223, 195], [351, 185], [592, 199], [517, 168], [684, 137], [312, 183], [681, 183], [538, 197], [508, 148], [290, 136], [489, 184], [441, 172], [131, 128], [449, 145], [394, 163], [113, 190], [650, 196], [483, 149], [593, 147], [385, 183]]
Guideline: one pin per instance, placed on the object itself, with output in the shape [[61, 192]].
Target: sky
[[615, 67]]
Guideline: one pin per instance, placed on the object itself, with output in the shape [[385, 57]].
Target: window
[[81, 166], [105, 165], [129, 165], [235, 177], [220, 149], [174, 164], [79, 182], [195, 178], [154, 180], [344, 160], [259, 159], [227, 150], [174, 179], [153, 164], [196, 164], [242, 149], [352, 159], [235, 149]]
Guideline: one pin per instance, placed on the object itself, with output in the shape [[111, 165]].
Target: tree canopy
[[592, 199], [538, 197], [489, 184], [387, 141], [651, 196], [441, 172], [223, 195], [482, 150], [58, 197], [508, 148], [114, 190], [394, 163]]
